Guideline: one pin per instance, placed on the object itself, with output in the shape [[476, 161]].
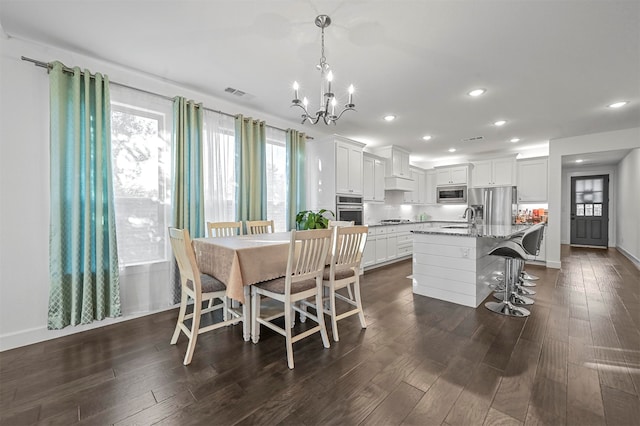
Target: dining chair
[[342, 272], [308, 252], [334, 223], [198, 287], [224, 229], [260, 227]]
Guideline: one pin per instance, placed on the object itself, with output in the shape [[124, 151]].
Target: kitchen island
[[451, 262]]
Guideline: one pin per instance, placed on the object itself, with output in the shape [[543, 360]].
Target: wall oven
[[349, 208], [452, 194]]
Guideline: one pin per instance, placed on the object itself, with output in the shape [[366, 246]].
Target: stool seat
[[510, 249]]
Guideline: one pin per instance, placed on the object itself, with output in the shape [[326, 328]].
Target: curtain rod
[[48, 66]]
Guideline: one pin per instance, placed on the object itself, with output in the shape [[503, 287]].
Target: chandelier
[[328, 101]]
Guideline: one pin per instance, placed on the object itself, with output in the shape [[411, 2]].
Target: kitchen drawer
[[404, 237], [405, 250]]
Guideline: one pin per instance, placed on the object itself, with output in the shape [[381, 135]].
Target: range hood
[[395, 183]]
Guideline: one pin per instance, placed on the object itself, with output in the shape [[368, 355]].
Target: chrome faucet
[[471, 214]]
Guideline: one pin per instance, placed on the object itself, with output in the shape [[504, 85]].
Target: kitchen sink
[[456, 226]]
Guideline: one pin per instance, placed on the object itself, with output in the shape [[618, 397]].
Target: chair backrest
[[224, 229], [531, 239], [260, 227], [334, 223], [185, 257], [348, 246], [308, 252]]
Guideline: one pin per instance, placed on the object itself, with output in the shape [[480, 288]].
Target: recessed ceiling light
[[500, 123], [618, 104], [426, 137], [514, 140], [579, 161], [452, 150], [477, 92], [389, 117]]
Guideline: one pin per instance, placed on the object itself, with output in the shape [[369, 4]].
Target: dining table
[[241, 261]]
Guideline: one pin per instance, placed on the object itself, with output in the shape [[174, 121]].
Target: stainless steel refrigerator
[[494, 206]]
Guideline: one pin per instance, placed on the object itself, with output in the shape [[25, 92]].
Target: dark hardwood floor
[[575, 360]]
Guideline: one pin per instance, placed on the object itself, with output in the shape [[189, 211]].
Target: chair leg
[[195, 326], [332, 308], [225, 308], [356, 287], [323, 327], [181, 314], [303, 317], [287, 328], [255, 314], [246, 314]]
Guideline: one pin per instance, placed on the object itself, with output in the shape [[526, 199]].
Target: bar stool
[[526, 277], [511, 251]]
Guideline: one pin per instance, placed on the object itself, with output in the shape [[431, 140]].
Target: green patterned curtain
[[187, 195], [296, 182], [83, 259], [251, 152]]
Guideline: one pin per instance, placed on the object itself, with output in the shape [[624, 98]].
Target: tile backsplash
[[394, 208]]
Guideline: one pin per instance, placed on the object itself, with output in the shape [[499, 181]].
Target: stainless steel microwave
[[451, 194]]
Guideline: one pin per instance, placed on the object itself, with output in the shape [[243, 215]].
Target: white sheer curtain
[[219, 167], [276, 159]]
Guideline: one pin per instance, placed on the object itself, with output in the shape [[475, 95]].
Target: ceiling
[[550, 68]]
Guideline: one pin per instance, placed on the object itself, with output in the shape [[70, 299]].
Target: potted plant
[[308, 219]]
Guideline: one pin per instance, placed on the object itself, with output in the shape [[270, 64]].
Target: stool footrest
[[506, 308]]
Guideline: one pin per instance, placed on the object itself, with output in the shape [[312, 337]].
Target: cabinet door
[[532, 180], [369, 254], [481, 175], [458, 175], [504, 172], [443, 176], [404, 163], [379, 171], [430, 187], [392, 246], [355, 170], [369, 177], [381, 248], [342, 168], [410, 196], [419, 187]]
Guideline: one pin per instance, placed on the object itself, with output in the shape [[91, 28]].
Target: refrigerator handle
[[491, 206]]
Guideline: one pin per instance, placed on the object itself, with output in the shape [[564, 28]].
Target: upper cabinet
[[334, 167], [532, 180], [430, 187], [416, 195], [497, 172], [373, 173], [348, 167], [397, 161], [452, 175]]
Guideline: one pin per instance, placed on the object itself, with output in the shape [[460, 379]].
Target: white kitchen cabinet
[[334, 166], [369, 255], [453, 175], [348, 168], [532, 180], [397, 161], [373, 172], [430, 187], [497, 172], [416, 196]]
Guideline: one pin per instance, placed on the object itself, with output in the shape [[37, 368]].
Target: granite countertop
[[489, 231], [416, 221]]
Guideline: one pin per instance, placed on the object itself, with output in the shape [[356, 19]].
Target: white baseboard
[[629, 256], [41, 334], [553, 265]]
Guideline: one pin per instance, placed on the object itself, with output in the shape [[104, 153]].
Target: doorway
[[590, 211]]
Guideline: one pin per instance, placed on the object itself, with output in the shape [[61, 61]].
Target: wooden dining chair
[[198, 287], [224, 229], [260, 227], [334, 223], [308, 251], [344, 271]]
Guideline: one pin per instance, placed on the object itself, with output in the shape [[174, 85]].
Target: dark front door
[[590, 210]]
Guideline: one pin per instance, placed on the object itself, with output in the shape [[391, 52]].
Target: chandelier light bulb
[[327, 97]]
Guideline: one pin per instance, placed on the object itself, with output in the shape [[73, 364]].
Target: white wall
[[628, 213], [24, 191], [565, 221], [597, 142]]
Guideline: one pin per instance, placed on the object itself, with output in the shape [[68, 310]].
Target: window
[[141, 162], [219, 165], [277, 178]]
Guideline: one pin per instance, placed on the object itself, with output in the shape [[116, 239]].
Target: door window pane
[[580, 209], [588, 209], [597, 209]]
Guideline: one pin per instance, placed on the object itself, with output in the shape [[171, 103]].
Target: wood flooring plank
[[497, 418], [158, 411], [620, 408], [584, 399], [548, 404], [552, 364], [474, 402], [126, 408]]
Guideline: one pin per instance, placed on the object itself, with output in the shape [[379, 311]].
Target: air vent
[[234, 91], [473, 139]]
